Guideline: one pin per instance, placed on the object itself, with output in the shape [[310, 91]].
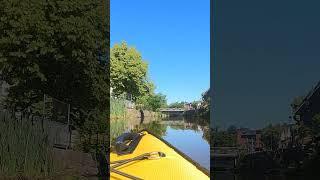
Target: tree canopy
[[54, 47], [177, 104], [154, 101], [128, 72]]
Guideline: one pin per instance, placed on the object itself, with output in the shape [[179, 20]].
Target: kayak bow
[[154, 158]]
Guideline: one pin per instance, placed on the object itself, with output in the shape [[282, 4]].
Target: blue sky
[[173, 36], [266, 53]]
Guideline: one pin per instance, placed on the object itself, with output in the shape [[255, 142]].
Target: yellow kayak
[[153, 158]]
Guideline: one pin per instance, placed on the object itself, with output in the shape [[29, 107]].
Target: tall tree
[[128, 71]]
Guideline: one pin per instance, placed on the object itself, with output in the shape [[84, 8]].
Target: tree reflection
[[154, 127]]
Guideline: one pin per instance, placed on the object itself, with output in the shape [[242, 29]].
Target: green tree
[[316, 125], [223, 138], [54, 47], [270, 136], [157, 101], [204, 110], [194, 104], [152, 102], [128, 72], [177, 104], [155, 127]]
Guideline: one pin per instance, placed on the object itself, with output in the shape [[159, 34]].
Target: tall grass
[[117, 107], [25, 150], [118, 123]]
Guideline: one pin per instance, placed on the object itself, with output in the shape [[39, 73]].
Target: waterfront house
[[309, 107], [249, 139], [304, 113]]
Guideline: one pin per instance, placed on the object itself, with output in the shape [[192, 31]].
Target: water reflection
[[191, 136], [155, 127]]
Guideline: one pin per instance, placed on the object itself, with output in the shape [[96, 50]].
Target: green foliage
[[25, 149], [204, 109], [155, 127], [270, 136], [177, 104], [53, 47], [312, 130], [152, 102], [315, 127], [194, 104], [206, 133], [222, 138], [117, 107], [128, 71]]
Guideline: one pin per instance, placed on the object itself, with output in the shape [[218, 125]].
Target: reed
[[117, 107], [25, 150]]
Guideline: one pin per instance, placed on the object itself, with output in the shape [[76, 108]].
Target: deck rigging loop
[[150, 156], [127, 143]]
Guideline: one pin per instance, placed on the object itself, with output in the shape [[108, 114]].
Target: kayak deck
[[172, 166]]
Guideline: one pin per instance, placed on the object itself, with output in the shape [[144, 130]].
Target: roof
[[315, 91]]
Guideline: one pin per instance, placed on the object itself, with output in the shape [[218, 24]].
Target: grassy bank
[[25, 150]]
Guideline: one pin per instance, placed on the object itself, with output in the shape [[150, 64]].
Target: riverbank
[[123, 119]]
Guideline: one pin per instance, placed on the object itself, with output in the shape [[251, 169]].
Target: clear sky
[[266, 53], [173, 36]]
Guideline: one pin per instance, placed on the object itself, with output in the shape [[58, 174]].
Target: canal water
[[190, 136]]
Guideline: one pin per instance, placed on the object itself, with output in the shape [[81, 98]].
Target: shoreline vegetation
[[59, 50], [25, 149], [121, 116]]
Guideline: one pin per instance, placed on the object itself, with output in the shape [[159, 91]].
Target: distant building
[[309, 107], [249, 139]]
